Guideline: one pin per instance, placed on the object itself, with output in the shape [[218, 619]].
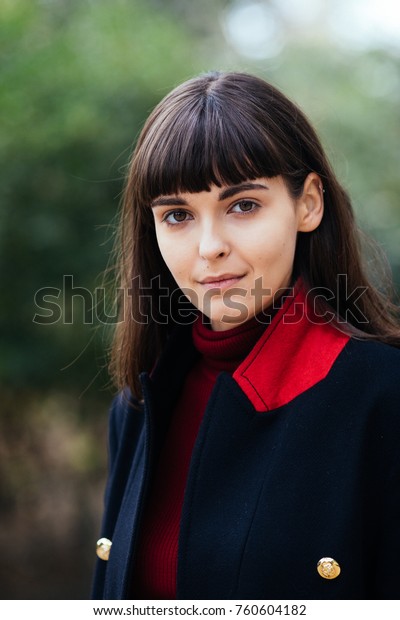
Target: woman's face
[[231, 249]]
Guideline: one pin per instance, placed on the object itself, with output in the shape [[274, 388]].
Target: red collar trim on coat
[[296, 351]]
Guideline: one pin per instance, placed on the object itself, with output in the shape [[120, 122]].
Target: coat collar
[[296, 351]]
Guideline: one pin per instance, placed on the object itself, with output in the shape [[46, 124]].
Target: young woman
[[254, 444]]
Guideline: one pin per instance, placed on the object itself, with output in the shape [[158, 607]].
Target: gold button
[[103, 547], [328, 568]]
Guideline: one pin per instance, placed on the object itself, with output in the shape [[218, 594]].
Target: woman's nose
[[213, 243]]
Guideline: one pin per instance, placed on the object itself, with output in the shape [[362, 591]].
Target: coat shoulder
[[373, 363], [125, 418], [370, 374]]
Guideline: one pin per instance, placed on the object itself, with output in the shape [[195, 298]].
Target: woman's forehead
[[190, 161]]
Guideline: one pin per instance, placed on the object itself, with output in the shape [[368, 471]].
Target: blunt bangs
[[206, 138]]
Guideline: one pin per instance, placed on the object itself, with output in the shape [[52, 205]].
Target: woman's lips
[[221, 283]]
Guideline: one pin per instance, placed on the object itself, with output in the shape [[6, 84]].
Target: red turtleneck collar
[[225, 350]]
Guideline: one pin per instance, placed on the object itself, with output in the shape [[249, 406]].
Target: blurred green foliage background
[[78, 78]]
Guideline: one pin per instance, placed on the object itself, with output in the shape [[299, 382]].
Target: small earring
[[322, 189]]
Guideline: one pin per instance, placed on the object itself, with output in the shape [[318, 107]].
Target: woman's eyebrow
[[168, 201], [228, 192], [242, 187]]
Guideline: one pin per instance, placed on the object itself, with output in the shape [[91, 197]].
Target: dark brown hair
[[224, 128]]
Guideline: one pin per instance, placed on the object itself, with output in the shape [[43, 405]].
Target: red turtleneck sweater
[[156, 564]]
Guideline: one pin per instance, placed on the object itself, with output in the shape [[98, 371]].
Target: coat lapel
[[295, 352]]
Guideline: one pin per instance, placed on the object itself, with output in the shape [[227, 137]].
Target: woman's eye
[[244, 206], [175, 217]]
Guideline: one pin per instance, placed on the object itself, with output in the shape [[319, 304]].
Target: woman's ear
[[310, 205]]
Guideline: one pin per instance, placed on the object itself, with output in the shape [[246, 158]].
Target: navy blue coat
[[297, 458]]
